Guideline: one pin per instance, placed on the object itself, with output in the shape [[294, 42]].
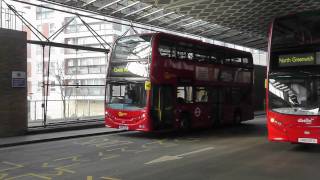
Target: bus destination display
[[297, 60]]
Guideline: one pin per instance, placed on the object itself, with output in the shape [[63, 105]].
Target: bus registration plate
[[308, 140], [123, 127]]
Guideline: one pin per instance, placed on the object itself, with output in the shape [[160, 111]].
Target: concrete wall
[[259, 90], [13, 101]]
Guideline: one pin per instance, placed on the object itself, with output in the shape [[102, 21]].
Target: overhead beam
[[180, 21], [68, 46], [109, 4], [88, 3], [194, 22], [149, 14], [180, 16], [137, 11], [164, 15], [126, 7], [197, 25], [181, 3], [210, 30], [232, 36]]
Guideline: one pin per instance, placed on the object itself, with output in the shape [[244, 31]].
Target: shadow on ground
[[246, 129]]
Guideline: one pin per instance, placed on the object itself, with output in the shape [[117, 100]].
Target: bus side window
[[190, 55], [201, 94], [184, 94], [180, 95], [245, 60], [173, 51], [164, 50], [181, 52]]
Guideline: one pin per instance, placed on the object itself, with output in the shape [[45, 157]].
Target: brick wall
[[13, 101]]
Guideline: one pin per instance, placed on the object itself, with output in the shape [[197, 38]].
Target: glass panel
[[201, 94], [130, 96], [296, 30], [132, 48], [297, 93]]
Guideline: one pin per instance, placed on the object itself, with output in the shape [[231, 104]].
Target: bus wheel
[[237, 118], [185, 124]]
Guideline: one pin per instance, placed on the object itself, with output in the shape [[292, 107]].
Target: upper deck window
[[296, 30], [132, 48], [207, 54]]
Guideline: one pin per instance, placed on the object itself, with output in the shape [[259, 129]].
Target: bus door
[[201, 111], [227, 109], [162, 106], [216, 105]]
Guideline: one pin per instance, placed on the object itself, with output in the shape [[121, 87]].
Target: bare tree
[[65, 91]]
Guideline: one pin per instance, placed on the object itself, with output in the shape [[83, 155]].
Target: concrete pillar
[[13, 95]]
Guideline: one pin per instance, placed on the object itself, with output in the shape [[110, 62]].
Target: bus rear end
[[293, 90], [127, 91]]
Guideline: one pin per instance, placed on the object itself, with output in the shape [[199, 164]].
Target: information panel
[[304, 59]]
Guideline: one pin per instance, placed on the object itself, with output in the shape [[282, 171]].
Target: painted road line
[[176, 157]]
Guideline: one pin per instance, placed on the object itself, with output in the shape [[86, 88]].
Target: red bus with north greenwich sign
[[162, 81], [293, 86]]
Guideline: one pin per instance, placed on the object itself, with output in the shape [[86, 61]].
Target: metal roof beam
[[221, 33], [126, 7], [251, 41], [180, 21], [209, 30], [192, 23], [181, 3], [172, 19], [149, 14], [164, 15], [197, 25], [109, 4], [222, 36], [232, 36], [90, 2], [137, 11], [255, 43], [238, 39]]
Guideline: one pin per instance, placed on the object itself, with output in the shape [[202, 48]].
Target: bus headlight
[[143, 116], [274, 121]]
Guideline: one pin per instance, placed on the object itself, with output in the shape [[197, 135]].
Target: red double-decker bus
[[161, 81], [293, 88]]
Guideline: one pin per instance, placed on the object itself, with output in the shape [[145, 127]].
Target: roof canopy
[[241, 22]]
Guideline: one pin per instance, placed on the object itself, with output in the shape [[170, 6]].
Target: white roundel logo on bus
[[197, 112]]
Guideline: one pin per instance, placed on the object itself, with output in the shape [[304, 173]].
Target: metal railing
[[76, 110]]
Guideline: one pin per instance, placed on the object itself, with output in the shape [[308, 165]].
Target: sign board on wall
[[18, 79]]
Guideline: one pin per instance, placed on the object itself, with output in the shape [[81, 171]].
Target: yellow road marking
[[89, 178], [30, 175], [110, 178], [15, 166]]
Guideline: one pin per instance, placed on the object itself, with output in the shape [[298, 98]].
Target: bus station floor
[[43, 135], [53, 136], [229, 152]]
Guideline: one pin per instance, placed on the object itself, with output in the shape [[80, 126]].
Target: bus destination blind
[[297, 60]]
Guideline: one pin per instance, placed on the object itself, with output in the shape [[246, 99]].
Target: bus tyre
[[185, 124], [237, 118]]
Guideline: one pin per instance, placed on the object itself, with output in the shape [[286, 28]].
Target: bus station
[[155, 89]]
